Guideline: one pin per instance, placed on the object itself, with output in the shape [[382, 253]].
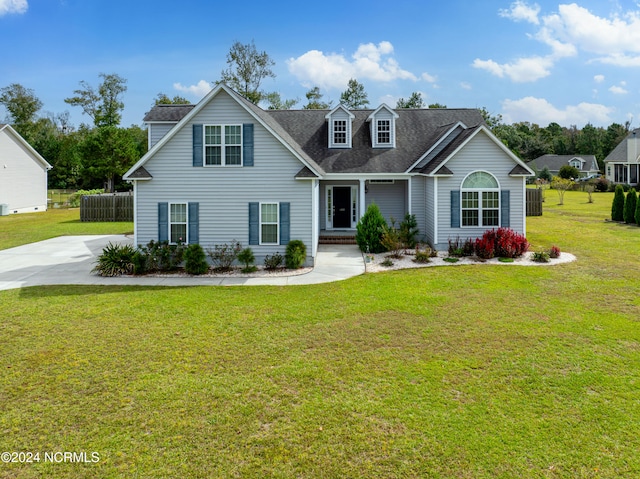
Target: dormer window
[[383, 127], [384, 132], [576, 163], [339, 127], [340, 132]]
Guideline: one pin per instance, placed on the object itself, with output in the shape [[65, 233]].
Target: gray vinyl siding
[[418, 205], [430, 208], [224, 193], [390, 198], [157, 131], [480, 154]]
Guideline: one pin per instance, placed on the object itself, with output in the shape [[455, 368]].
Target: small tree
[[370, 229], [354, 96], [545, 174], [568, 172], [247, 257], [617, 208], [590, 188], [409, 230], [629, 210], [195, 260], [561, 185]]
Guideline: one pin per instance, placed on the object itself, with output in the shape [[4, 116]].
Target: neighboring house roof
[[555, 162], [17, 137], [306, 134], [619, 153]]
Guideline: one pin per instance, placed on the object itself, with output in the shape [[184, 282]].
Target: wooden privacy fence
[[534, 202], [115, 207]]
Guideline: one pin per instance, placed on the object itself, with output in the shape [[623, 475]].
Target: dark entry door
[[342, 207]]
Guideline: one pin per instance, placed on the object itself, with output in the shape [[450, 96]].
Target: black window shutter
[[247, 144], [193, 235], [197, 145], [285, 224], [163, 221], [505, 208], [254, 223], [455, 209]]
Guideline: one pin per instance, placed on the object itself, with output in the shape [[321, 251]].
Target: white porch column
[[362, 208]]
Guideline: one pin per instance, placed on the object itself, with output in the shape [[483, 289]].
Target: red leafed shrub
[[554, 252], [485, 246], [510, 244], [503, 242]]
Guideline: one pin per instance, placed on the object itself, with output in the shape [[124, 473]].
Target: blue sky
[[542, 61]]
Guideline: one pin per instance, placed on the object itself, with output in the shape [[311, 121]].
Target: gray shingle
[[170, 113]]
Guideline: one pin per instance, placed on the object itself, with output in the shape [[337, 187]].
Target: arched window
[[480, 200]]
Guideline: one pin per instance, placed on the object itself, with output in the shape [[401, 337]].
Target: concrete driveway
[[70, 259]]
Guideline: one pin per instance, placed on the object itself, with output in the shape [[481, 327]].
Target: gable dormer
[[340, 120], [577, 162], [382, 124]]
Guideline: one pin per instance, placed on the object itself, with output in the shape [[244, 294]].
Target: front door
[[342, 207]]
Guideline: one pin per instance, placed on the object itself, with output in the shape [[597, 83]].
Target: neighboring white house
[[23, 175], [229, 170], [623, 163]]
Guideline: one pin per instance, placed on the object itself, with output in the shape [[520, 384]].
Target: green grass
[[16, 230], [455, 372]]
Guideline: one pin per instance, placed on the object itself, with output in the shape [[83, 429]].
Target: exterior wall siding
[[391, 199], [418, 206], [157, 131], [23, 180], [224, 193], [430, 208], [480, 154]]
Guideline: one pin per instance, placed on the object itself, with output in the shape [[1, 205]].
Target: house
[[622, 165], [587, 165], [23, 175], [229, 170]]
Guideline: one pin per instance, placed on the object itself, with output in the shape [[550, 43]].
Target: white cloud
[[13, 6], [429, 78], [520, 11], [465, 85], [619, 89], [198, 90], [598, 78], [369, 62], [521, 71], [541, 112]]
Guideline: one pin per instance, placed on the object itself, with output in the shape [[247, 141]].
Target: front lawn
[[468, 372], [16, 230]]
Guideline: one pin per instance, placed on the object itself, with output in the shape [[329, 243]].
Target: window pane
[[270, 213], [480, 180], [233, 155], [489, 199], [469, 199], [213, 155], [179, 213], [339, 131], [383, 131], [178, 233], [232, 135], [469, 217], [490, 217], [212, 135]]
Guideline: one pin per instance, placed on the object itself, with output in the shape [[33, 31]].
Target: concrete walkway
[[69, 260]]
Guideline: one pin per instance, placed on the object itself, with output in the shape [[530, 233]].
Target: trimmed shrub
[[160, 256], [295, 254], [370, 229], [510, 244], [485, 246], [545, 174], [115, 260], [637, 214], [223, 255], [629, 210], [540, 257], [247, 257], [74, 199], [195, 260], [601, 184], [568, 172], [409, 231], [554, 252], [273, 262], [617, 208]]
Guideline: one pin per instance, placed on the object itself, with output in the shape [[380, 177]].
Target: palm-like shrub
[[115, 260], [617, 208], [630, 206], [370, 229]]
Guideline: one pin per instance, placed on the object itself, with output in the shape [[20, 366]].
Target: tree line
[[97, 155]]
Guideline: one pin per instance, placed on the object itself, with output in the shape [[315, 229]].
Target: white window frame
[[334, 132], [277, 222], [223, 145], [387, 131], [480, 199], [185, 223]]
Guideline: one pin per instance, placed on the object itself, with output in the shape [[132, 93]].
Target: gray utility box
[[4, 209]]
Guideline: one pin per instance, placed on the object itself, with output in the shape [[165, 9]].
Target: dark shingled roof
[[140, 174], [619, 153], [519, 170], [555, 162], [441, 157], [170, 113], [417, 130]]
